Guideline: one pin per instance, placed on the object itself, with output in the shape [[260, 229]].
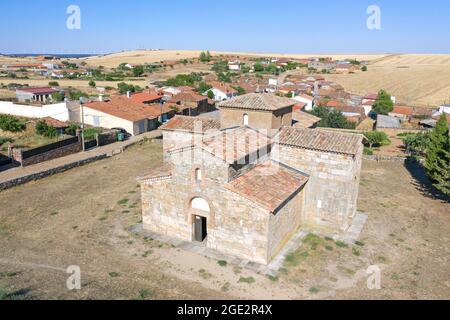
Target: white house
[[234, 65], [445, 108], [58, 111], [308, 100]]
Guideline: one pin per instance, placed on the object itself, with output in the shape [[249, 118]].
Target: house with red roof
[[35, 94], [122, 112]]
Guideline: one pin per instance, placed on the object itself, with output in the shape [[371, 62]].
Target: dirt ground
[[81, 217]]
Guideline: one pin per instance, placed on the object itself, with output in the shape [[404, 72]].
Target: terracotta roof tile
[[304, 120], [191, 124], [269, 184], [125, 108], [333, 142], [258, 101], [235, 144]]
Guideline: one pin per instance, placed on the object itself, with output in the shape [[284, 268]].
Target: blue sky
[[291, 26]]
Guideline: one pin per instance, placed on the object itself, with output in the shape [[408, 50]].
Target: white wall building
[[58, 111], [304, 98]]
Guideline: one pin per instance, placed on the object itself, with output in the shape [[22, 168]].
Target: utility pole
[[82, 126]]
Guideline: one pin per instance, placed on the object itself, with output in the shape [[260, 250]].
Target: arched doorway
[[201, 210]]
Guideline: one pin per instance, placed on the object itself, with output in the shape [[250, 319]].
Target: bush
[[11, 123], [368, 151], [4, 140], [377, 139], [92, 84], [43, 129], [53, 84], [72, 129]]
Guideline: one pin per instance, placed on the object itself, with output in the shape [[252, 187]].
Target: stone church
[[246, 183]]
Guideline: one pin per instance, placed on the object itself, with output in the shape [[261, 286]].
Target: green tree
[[376, 138], [203, 87], [332, 118], [437, 164], [92, 84], [384, 103], [11, 123], [240, 91], [138, 71], [364, 68], [211, 94], [258, 67], [205, 56], [53, 84], [43, 129], [57, 97]]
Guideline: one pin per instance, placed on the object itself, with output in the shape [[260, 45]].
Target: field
[[415, 79], [147, 56], [81, 217]]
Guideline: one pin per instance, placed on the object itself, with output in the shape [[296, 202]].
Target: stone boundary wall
[[19, 155], [36, 176], [384, 158], [106, 138]]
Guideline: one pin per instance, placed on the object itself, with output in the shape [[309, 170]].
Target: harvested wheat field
[[416, 79], [149, 56]]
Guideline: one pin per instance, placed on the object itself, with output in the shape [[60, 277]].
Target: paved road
[[110, 149]]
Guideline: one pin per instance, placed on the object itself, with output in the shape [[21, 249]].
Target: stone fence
[[45, 153]]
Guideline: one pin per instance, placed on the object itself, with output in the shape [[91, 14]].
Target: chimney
[[100, 97], [128, 94]]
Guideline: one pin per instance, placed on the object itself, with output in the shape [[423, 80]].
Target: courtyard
[[82, 217]]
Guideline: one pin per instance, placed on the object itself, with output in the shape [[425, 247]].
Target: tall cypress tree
[[437, 164]]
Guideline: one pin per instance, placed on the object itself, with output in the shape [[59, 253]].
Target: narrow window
[[198, 175], [245, 120]]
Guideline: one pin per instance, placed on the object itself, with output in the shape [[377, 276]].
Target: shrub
[[53, 84], [92, 84], [4, 140], [43, 129], [11, 123]]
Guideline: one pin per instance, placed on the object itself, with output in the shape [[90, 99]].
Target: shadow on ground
[[422, 183]]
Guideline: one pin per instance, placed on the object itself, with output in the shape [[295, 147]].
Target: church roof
[[258, 101], [237, 144], [269, 184], [191, 124], [334, 142]]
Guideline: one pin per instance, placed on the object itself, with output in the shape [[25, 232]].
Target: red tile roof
[[269, 185], [55, 123], [333, 142], [38, 90], [404, 110], [143, 97], [187, 97], [191, 124], [125, 108]]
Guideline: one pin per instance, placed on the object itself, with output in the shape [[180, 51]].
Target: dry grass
[[146, 56], [414, 79]]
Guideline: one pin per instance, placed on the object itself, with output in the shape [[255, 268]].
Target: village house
[[234, 65], [245, 185], [306, 99], [39, 95], [122, 112], [404, 113], [222, 91], [190, 103]]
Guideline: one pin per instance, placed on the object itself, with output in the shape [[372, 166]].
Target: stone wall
[[332, 190], [235, 225], [263, 120], [106, 138], [18, 154], [285, 224]]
